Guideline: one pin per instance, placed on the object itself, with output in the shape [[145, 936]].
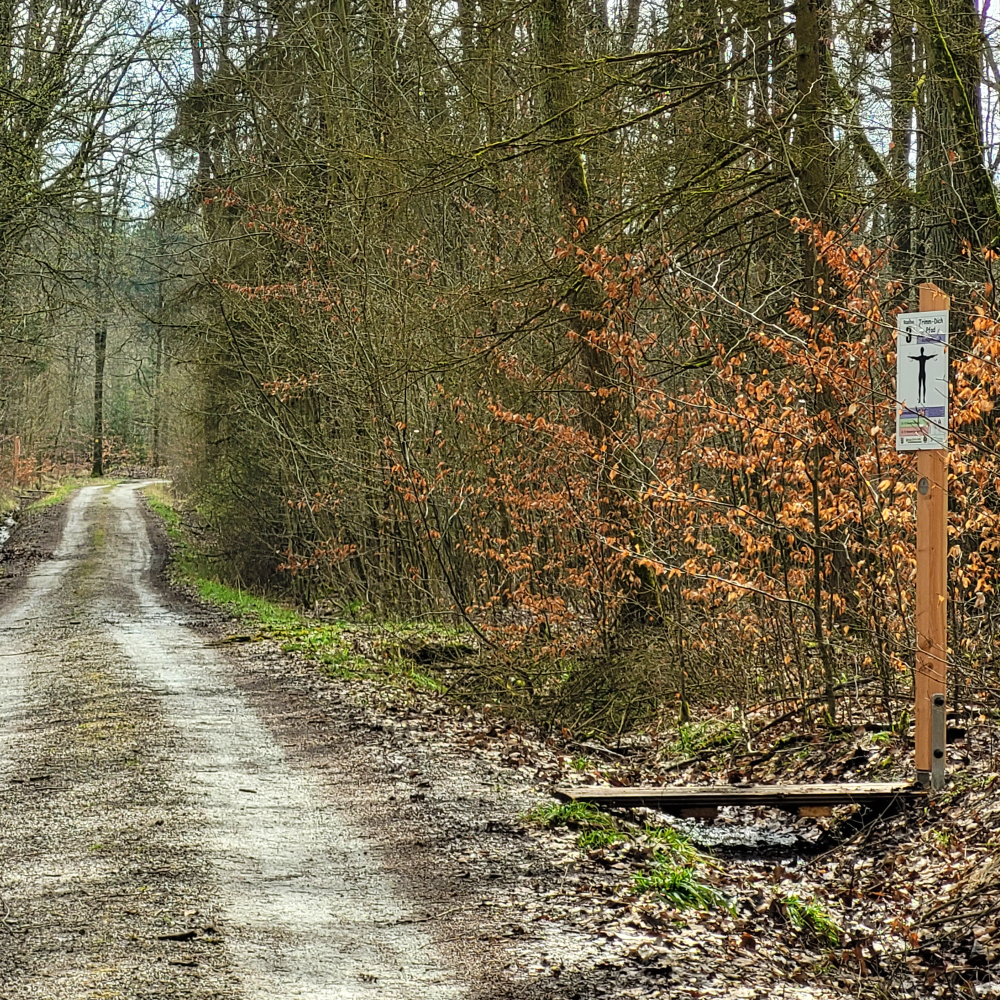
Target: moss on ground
[[328, 642], [65, 487]]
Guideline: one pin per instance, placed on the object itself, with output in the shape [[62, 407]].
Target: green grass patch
[[679, 847], [319, 641], [572, 814], [694, 737], [246, 605], [61, 491], [679, 885], [589, 840], [323, 641], [598, 829], [187, 562], [421, 680], [342, 664], [812, 917], [157, 498]]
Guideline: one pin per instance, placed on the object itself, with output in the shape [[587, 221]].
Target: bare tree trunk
[[630, 27], [381, 17], [605, 404], [568, 182], [813, 144], [902, 81], [100, 345], [964, 215], [100, 355], [196, 39], [157, 415]]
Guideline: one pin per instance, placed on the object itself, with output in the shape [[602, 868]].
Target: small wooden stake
[[932, 582]]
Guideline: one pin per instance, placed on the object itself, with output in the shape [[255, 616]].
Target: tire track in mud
[[154, 840]]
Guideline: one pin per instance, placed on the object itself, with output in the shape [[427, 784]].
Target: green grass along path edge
[[326, 641]]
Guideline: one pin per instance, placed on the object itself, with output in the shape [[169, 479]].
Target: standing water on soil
[[6, 528], [741, 833]]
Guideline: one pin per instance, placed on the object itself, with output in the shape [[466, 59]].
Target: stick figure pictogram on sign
[[922, 381], [922, 360]]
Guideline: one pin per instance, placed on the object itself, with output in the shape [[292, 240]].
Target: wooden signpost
[[922, 426]]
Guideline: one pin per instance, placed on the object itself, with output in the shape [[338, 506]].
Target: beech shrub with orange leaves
[[742, 524]]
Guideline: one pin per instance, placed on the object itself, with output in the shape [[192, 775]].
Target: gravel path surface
[[184, 815], [156, 839]]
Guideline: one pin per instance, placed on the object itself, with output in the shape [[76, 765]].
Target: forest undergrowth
[[714, 584], [905, 904], [724, 518]]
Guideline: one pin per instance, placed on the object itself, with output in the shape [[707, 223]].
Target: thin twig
[[420, 920]]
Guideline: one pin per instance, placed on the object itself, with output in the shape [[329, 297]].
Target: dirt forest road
[[157, 839]]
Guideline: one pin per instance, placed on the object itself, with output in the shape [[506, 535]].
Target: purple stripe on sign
[[930, 412]]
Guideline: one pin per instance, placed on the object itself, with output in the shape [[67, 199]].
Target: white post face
[[921, 381]]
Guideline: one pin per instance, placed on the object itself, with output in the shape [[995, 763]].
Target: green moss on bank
[[322, 641], [158, 498], [331, 642], [246, 605]]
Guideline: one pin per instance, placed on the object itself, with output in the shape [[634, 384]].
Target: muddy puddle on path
[[776, 837], [738, 834]]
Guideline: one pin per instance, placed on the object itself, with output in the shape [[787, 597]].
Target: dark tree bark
[[902, 81], [100, 355], [813, 152], [605, 403], [963, 213], [380, 21], [568, 183], [630, 27]]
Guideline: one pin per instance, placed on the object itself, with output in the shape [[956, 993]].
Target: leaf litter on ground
[[904, 905]]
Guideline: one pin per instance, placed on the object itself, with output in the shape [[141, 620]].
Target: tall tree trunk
[[157, 414], [568, 183], [381, 17], [100, 344], [902, 82], [100, 355], [605, 404], [630, 27], [196, 40], [813, 154], [963, 213]]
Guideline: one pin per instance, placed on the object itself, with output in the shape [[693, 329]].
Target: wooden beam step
[[678, 799]]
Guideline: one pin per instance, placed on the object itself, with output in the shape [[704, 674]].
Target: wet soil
[[26, 542], [183, 819]]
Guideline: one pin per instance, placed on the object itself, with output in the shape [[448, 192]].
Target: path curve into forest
[[155, 839]]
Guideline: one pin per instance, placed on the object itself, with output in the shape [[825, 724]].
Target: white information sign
[[921, 381]]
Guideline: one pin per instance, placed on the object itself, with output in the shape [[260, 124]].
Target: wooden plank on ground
[[678, 799]]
